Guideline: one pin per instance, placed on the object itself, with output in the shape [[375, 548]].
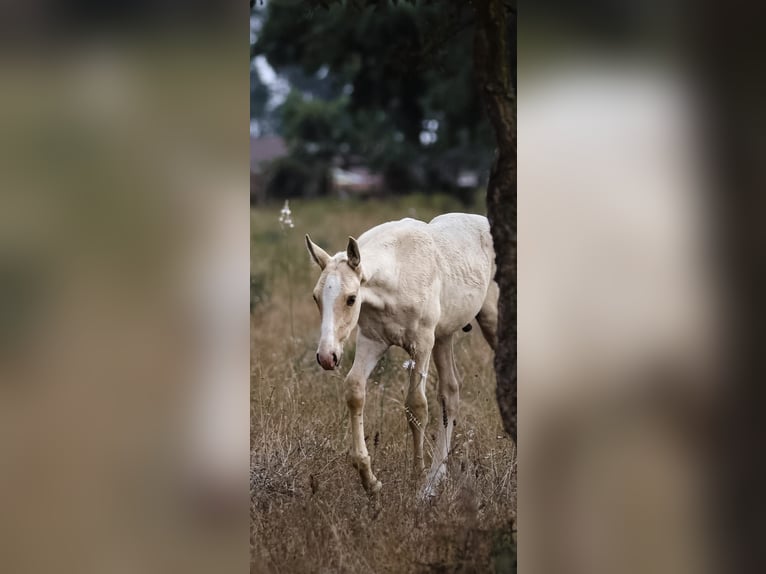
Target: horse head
[[337, 295]]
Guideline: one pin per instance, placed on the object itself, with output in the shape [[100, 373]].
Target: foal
[[414, 285]]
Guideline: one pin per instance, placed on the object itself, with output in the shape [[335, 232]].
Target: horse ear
[[352, 251], [354, 258], [317, 253]]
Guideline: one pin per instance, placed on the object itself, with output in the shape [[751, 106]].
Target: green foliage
[[374, 75], [314, 129], [290, 177]]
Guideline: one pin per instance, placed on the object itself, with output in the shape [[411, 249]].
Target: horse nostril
[[334, 359], [318, 361]]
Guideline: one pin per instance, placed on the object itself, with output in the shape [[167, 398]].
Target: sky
[[278, 86]]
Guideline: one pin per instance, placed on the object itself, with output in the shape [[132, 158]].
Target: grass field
[[308, 510]]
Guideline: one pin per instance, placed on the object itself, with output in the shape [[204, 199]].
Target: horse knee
[[416, 400], [417, 405], [355, 396], [450, 388]]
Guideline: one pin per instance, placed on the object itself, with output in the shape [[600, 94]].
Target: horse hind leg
[[416, 405], [449, 401], [487, 316]]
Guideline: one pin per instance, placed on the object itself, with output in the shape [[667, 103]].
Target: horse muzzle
[[328, 360]]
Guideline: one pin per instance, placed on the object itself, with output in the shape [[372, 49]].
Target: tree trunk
[[493, 76]]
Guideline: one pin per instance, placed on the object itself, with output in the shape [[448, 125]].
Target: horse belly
[[466, 272], [460, 303]]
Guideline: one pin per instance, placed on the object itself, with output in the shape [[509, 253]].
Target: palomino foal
[[414, 285]]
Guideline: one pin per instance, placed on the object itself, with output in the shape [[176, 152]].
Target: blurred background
[[123, 286], [625, 309], [372, 102], [133, 183]]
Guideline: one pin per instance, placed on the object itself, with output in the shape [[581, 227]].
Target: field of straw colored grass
[[308, 511]]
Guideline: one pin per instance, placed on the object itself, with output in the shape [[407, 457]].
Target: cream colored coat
[[414, 285]]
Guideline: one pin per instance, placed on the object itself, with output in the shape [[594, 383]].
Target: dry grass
[[308, 510]]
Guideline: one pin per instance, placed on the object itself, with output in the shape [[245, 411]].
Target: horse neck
[[377, 270]]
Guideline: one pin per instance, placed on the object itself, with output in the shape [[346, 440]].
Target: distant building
[[355, 181], [467, 178], [263, 150]]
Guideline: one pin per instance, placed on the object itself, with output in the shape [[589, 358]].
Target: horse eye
[[351, 300]]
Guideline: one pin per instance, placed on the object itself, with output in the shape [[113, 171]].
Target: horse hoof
[[375, 488], [427, 494]]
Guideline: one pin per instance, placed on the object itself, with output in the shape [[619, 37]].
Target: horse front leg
[[368, 353], [416, 405]]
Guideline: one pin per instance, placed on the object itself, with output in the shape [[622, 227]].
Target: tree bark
[[492, 68]]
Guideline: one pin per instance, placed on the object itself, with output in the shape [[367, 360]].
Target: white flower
[[408, 364], [285, 216]]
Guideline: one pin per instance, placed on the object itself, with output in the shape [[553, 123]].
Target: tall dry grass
[[308, 510]]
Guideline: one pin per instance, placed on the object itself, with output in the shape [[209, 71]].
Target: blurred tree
[[409, 92], [408, 61], [314, 129]]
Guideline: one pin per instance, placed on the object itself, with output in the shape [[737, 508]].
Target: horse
[[409, 284]]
